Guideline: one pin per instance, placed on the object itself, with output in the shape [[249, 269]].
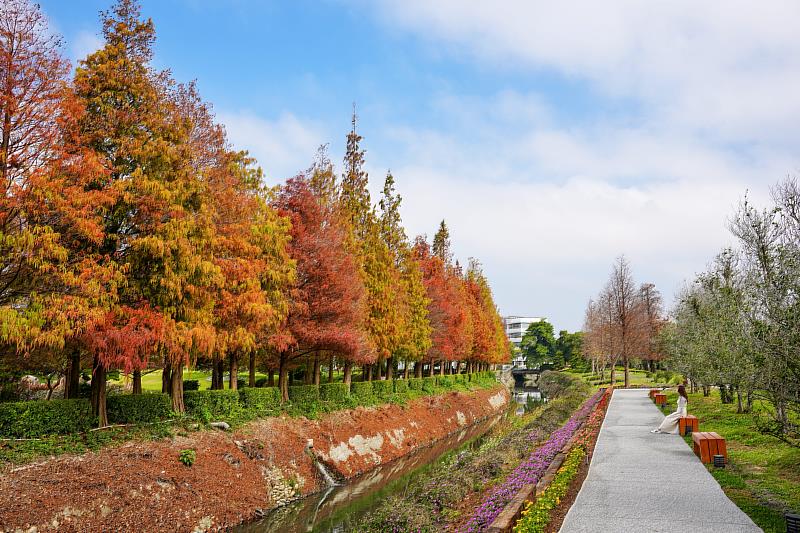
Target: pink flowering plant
[[529, 471]]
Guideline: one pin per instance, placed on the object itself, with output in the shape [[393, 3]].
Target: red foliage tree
[[326, 300], [451, 335]]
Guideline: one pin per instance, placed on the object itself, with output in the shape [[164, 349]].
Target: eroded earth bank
[[235, 476]]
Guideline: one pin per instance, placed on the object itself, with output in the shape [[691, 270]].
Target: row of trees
[[737, 326], [133, 235], [623, 323]]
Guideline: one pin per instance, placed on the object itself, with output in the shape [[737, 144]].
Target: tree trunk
[[627, 373], [739, 406], [137, 381], [233, 377], [330, 368], [405, 370], [379, 369], [348, 372], [283, 376], [252, 379], [389, 368], [368, 377], [441, 367], [308, 377], [316, 369], [99, 393], [706, 390], [270, 378], [418, 369], [176, 391], [72, 381], [613, 374], [214, 376], [166, 378]]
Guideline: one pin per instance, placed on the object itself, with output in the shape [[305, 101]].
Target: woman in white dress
[[670, 423]]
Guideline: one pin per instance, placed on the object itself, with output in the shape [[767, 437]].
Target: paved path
[[641, 482]]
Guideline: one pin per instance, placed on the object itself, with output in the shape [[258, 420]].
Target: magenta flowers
[[529, 471]]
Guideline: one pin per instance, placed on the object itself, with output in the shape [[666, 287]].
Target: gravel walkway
[[639, 481]]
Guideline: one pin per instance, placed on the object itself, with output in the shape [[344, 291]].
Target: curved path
[[639, 481]]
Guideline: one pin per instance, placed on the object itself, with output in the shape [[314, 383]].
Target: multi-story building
[[515, 328]]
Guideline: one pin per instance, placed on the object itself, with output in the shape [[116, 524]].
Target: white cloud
[[708, 93], [283, 146], [84, 43], [729, 67]]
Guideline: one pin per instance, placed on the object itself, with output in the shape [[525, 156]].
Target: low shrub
[[187, 457], [335, 393], [261, 401], [362, 392], [400, 386], [205, 404], [446, 382], [191, 384], [138, 408], [261, 382], [414, 383], [429, 384], [304, 397], [382, 389], [37, 418]]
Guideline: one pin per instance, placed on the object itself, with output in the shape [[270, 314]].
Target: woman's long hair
[[682, 392]]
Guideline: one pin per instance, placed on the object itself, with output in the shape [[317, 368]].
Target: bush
[[414, 383], [335, 393], [45, 417], [187, 457], [304, 397], [212, 403], [362, 392], [138, 408], [445, 381], [429, 384], [261, 382], [261, 401], [401, 386], [191, 384], [382, 389]]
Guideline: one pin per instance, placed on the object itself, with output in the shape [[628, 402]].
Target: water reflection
[[527, 398]]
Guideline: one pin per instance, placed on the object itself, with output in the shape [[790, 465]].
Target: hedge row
[[59, 417]]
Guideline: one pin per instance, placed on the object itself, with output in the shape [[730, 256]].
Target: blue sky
[[551, 137]]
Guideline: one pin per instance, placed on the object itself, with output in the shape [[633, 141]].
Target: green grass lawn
[[640, 378], [763, 477]]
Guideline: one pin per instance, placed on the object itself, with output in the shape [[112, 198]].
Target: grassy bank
[[763, 478], [449, 491], [638, 378]]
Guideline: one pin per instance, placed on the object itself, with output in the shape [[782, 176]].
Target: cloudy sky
[[551, 136]]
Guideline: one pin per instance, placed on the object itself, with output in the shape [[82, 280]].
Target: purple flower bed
[[530, 471]]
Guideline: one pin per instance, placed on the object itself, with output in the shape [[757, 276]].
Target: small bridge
[[526, 376]]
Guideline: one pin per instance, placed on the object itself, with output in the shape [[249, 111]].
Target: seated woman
[[670, 423]]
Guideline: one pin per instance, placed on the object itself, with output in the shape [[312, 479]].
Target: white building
[[515, 328]]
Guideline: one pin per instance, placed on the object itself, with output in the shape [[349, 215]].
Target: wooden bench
[[688, 424], [707, 444], [661, 399], [653, 393]]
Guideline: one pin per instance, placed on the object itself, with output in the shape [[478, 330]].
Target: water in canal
[[337, 509]]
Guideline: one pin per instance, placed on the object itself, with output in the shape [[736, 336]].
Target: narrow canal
[[337, 509]]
